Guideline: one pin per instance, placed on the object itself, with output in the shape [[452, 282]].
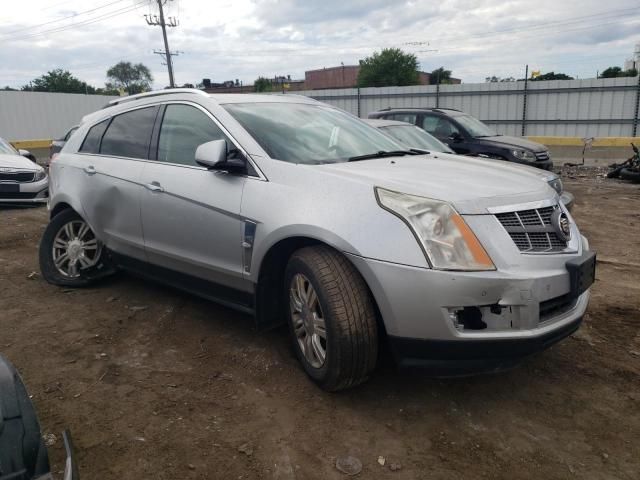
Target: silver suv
[[295, 211]]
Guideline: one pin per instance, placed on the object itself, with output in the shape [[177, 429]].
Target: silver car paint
[[334, 204]]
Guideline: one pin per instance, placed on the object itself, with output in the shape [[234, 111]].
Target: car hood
[[18, 162], [518, 142], [470, 184]]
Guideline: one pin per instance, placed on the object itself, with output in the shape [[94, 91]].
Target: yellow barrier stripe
[[27, 144], [578, 142]]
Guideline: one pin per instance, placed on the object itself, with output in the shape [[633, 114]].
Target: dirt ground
[[154, 383]]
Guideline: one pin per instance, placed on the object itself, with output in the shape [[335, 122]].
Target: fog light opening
[[467, 318]]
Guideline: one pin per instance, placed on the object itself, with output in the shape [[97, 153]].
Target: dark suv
[[468, 135]]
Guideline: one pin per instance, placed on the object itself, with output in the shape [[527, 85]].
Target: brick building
[[346, 76]]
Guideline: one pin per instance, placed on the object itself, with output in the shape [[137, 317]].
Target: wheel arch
[[59, 208], [270, 304]]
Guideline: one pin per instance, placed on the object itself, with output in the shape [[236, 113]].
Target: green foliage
[[440, 75], [391, 67], [551, 76], [59, 80], [132, 78], [613, 72], [494, 79], [262, 85]]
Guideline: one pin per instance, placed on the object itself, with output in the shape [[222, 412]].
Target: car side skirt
[[229, 297]]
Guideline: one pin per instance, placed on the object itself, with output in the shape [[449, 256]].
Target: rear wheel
[[70, 253], [331, 318]]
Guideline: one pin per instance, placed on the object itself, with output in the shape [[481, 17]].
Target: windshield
[[415, 137], [311, 134], [6, 148], [474, 126]]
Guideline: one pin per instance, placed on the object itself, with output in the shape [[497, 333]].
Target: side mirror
[[27, 154], [213, 155]]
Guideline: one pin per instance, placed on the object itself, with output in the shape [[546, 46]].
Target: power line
[[89, 21], [31, 27]]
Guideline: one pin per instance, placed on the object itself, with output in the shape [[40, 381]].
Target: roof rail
[[155, 93]]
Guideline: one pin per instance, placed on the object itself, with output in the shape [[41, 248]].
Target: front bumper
[[451, 358], [28, 193], [542, 164], [522, 314]]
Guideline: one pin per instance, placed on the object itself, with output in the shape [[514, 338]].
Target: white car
[[22, 181]]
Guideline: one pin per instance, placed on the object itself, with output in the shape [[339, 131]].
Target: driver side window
[[439, 127], [184, 129]]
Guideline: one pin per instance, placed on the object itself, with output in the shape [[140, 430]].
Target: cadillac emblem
[[561, 225]]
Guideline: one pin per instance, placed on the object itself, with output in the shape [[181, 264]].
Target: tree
[[262, 85], [551, 76], [613, 72], [59, 80], [390, 67], [494, 79], [440, 75], [132, 78]]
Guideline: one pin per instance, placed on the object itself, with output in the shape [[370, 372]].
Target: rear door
[[115, 153], [191, 216]]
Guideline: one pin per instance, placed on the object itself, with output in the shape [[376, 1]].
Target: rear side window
[[91, 142], [69, 133], [129, 134], [404, 117], [184, 128]]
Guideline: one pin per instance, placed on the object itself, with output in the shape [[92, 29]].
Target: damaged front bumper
[[467, 322]]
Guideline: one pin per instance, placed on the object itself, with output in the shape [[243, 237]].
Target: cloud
[[245, 39]]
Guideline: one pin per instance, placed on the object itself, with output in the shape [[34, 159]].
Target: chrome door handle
[[154, 187], [90, 170]]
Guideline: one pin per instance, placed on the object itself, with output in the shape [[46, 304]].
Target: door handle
[[90, 170], [154, 187]]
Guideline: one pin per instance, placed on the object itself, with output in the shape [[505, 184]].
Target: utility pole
[[156, 20]]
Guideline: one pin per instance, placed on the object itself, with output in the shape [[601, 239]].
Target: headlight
[[40, 175], [556, 184], [524, 155], [445, 238]]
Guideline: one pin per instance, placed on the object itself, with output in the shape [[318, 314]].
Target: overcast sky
[[244, 39]]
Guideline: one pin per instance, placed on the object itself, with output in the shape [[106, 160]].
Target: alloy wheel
[[75, 248], [308, 320]]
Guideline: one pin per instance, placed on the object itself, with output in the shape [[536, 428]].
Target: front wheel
[[70, 253], [332, 318]]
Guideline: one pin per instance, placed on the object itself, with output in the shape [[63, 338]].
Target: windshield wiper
[[382, 154]]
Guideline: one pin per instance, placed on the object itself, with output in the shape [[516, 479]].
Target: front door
[[446, 131], [190, 215]]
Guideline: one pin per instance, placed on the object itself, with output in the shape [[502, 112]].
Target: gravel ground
[[154, 383]]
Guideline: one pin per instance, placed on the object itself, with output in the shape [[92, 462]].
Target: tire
[[95, 268], [615, 173], [346, 308], [23, 453], [627, 174]]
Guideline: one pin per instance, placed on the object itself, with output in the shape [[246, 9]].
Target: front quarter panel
[[304, 201]]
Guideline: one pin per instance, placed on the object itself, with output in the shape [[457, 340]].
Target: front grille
[[17, 176], [17, 195], [542, 156], [532, 231]]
